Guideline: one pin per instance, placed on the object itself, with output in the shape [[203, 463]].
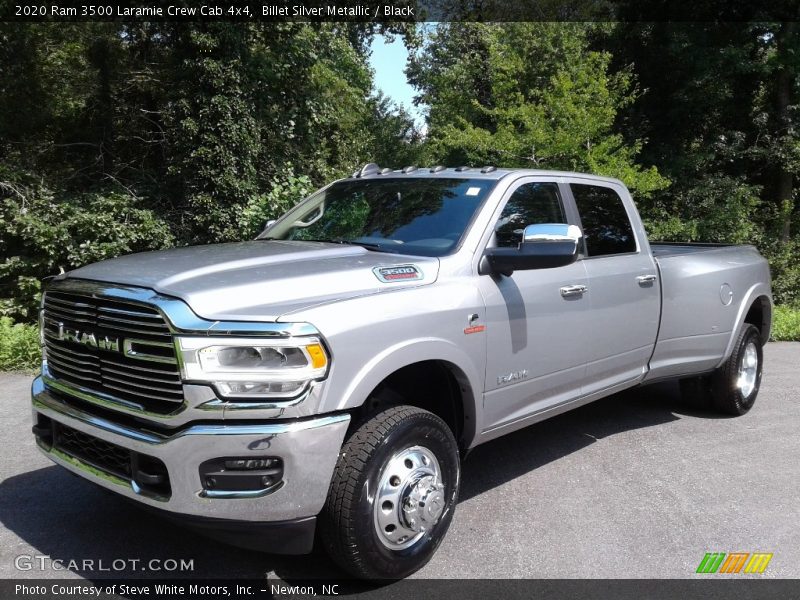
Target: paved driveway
[[630, 486]]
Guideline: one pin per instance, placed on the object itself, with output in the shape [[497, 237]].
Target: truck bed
[[703, 288], [664, 249]]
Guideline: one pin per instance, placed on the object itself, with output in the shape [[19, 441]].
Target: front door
[[535, 319]]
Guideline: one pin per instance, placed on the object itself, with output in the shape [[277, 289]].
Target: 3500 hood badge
[[398, 273]]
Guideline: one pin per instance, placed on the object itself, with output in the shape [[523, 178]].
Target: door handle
[[642, 279], [573, 290]]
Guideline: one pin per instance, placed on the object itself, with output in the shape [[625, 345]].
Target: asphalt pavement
[[632, 486]]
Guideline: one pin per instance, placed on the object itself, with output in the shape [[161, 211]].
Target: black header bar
[[409, 11], [286, 589]]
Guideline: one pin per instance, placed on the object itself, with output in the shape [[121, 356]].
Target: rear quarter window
[[606, 227]]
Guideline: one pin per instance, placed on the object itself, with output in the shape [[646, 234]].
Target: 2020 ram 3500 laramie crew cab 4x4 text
[[331, 373]]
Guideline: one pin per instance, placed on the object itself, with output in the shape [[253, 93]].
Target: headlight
[[254, 368]]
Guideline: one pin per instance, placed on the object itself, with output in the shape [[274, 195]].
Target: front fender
[[405, 353], [371, 338]]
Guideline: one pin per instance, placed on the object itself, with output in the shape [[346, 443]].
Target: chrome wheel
[[410, 498], [748, 370]]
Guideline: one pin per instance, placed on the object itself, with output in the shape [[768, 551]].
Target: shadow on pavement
[[69, 519], [515, 454], [66, 518]]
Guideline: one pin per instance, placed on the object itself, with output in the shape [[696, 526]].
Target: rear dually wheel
[[731, 389]]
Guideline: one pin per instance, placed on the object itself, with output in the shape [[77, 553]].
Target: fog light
[[250, 463], [240, 474]]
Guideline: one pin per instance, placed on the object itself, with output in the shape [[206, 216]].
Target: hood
[[258, 280]]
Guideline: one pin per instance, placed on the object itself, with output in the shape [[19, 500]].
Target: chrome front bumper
[[309, 449]]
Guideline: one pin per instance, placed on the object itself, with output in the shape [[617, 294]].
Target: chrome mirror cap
[[552, 232]]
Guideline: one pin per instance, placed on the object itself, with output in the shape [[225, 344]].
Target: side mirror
[[543, 246]]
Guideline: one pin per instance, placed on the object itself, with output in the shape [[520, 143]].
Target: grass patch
[[19, 346], [786, 324]]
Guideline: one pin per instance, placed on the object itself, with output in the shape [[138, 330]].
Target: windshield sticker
[[399, 273], [473, 191]]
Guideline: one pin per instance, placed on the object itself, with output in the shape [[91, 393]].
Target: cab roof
[[373, 171]]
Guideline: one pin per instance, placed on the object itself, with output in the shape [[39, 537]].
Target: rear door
[[623, 289]]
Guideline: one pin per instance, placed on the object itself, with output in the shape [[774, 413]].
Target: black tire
[[348, 529], [726, 394]]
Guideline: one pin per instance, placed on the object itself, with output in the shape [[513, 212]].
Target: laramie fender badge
[[512, 377], [398, 273]]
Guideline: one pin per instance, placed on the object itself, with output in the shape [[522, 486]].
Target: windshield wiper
[[368, 245]]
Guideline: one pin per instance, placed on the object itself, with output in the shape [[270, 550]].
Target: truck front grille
[[117, 348], [108, 457], [147, 472]]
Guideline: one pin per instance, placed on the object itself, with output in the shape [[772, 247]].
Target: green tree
[[181, 132], [719, 107], [527, 95], [42, 234], [213, 136]]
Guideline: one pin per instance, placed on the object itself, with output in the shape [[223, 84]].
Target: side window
[[606, 227], [530, 204]]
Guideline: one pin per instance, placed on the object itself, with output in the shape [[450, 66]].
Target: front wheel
[[393, 494]]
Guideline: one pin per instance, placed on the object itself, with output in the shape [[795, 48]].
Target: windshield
[[423, 216]]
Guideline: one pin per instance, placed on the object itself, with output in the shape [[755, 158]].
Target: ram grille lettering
[[87, 339]]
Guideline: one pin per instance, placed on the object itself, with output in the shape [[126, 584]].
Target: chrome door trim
[[573, 290]]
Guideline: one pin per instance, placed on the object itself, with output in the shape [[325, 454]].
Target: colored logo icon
[[735, 562]]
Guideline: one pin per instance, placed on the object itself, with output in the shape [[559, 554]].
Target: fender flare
[[408, 352], [757, 291]]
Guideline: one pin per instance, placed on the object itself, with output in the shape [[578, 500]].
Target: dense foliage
[[786, 324], [117, 138], [719, 108], [527, 95], [19, 346]]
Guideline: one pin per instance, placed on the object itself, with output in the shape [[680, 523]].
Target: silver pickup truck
[[329, 375]]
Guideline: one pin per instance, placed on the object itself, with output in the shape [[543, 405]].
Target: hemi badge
[[474, 329], [398, 273]]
